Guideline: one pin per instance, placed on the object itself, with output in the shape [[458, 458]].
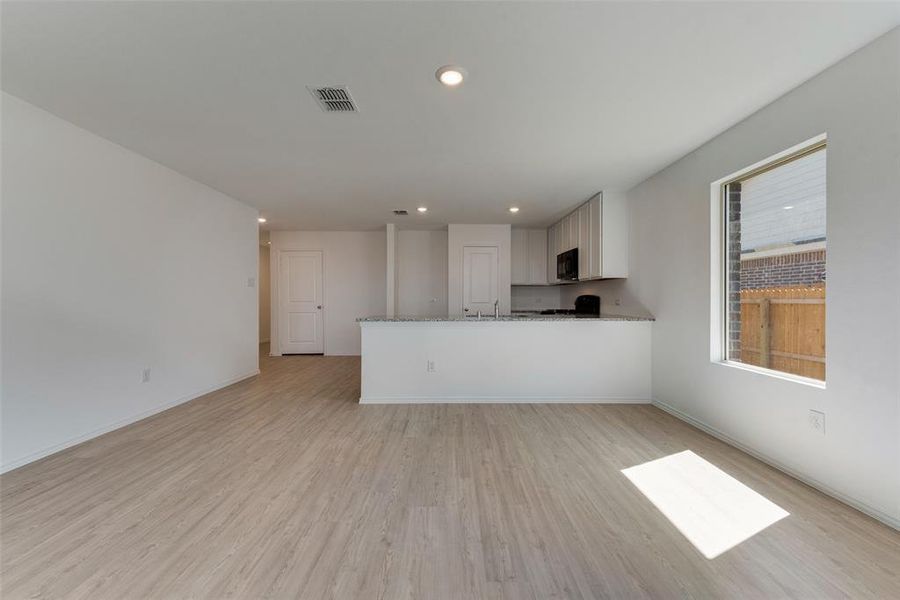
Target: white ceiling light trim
[[451, 75]]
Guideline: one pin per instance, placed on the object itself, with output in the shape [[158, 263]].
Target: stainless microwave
[[567, 265]]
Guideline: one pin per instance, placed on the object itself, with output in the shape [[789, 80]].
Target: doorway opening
[[265, 286]]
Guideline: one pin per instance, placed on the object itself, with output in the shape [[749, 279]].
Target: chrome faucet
[[497, 309]]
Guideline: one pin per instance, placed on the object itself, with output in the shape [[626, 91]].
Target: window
[[772, 251]]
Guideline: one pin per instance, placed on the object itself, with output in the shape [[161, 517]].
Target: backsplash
[[540, 297], [535, 297]]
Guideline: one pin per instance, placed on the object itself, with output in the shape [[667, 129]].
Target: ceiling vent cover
[[334, 98], [401, 212]]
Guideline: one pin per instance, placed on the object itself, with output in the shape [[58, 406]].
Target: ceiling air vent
[[334, 99], [401, 212]]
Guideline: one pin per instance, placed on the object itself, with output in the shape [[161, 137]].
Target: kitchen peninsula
[[511, 358]]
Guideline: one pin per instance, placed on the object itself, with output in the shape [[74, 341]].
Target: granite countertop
[[519, 316]]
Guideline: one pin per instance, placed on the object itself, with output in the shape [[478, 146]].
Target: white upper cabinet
[[562, 236], [614, 236], [552, 251], [585, 254], [599, 229], [595, 229], [537, 256], [519, 256], [571, 231], [529, 257]]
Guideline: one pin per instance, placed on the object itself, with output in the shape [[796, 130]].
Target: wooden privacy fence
[[784, 329]]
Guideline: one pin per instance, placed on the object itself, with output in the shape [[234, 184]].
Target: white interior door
[[481, 270], [300, 327]]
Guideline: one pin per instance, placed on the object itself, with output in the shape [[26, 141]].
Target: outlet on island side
[[429, 366], [145, 375], [817, 421]]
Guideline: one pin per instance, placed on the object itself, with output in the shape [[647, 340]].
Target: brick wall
[[801, 269], [733, 265]]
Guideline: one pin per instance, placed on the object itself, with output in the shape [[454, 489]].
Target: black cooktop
[[566, 311]]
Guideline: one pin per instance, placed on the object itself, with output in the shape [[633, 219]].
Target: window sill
[[816, 383]]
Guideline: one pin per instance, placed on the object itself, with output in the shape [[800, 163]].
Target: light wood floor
[[283, 486]]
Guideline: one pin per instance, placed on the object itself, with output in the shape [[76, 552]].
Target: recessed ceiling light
[[450, 75], [788, 207], [513, 209], [422, 209], [261, 219]]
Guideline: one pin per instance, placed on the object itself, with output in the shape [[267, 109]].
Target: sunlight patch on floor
[[713, 510]]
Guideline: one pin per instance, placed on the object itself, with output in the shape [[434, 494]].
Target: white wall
[[265, 303], [422, 273], [856, 103], [355, 263], [459, 236], [111, 264], [506, 361], [391, 283], [536, 297]]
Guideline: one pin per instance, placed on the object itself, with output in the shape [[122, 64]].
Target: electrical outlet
[[145, 375], [817, 421], [618, 302], [429, 366], [251, 282]]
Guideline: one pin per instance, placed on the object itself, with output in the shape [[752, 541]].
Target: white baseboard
[[500, 400], [858, 505], [20, 462]]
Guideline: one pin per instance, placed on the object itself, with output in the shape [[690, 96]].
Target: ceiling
[[562, 99]]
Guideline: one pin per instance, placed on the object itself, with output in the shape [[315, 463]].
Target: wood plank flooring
[[283, 486]]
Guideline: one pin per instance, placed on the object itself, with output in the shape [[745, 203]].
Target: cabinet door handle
[[319, 307]]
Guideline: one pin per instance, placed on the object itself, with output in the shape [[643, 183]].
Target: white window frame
[[718, 320]]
